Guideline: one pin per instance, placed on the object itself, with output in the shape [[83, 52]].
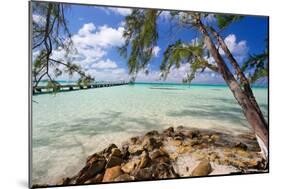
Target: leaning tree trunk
[[251, 113], [243, 79]]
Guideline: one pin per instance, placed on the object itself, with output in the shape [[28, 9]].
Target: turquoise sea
[[69, 126]]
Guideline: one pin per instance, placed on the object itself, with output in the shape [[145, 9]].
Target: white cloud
[[177, 75], [103, 64], [103, 36], [165, 15], [156, 51], [238, 49], [119, 11], [86, 29], [92, 44], [122, 23], [120, 71], [38, 19], [35, 54], [109, 74]]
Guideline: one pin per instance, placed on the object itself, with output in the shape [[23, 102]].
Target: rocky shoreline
[[176, 152]]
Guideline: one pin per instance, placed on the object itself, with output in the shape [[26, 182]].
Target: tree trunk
[[249, 109], [243, 79]]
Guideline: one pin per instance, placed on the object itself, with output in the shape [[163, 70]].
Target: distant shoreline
[[168, 83], [195, 84]]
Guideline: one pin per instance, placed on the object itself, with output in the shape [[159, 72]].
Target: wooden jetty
[[72, 87]]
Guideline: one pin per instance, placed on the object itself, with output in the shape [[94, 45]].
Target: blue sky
[[97, 32]]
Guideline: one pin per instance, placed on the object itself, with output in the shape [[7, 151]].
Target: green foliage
[[85, 80], [53, 86], [72, 68], [224, 20], [258, 65], [140, 37], [51, 33], [180, 53]]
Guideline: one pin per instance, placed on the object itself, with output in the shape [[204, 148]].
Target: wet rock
[[144, 160], [179, 135], [169, 131], [163, 171], [124, 177], [112, 173], [155, 154], [135, 149], [125, 151], [162, 159], [192, 134], [116, 152], [143, 174], [109, 148], [152, 133], [97, 179], [241, 145], [202, 169], [180, 127], [151, 143], [92, 158], [94, 166], [130, 166], [113, 161], [134, 140]]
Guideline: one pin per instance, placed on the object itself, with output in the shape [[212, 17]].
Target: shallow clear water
[[69, 126]]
